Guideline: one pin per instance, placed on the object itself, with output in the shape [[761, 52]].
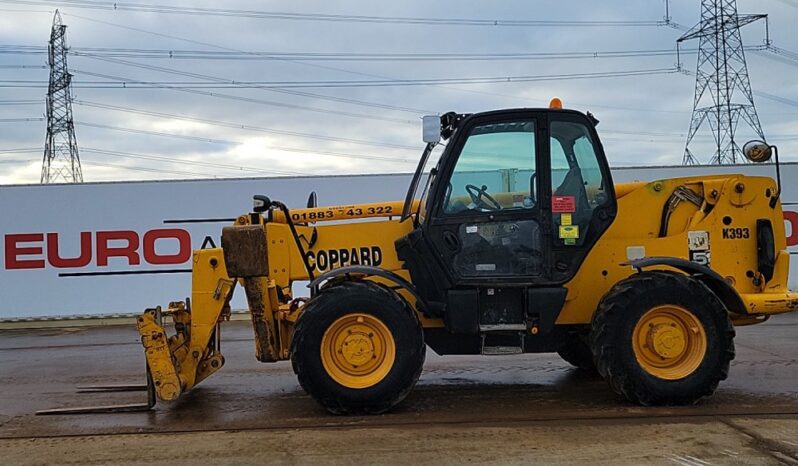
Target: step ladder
[[495, 339]]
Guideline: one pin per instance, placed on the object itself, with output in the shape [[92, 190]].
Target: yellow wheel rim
[[669, 342], [358, 350]]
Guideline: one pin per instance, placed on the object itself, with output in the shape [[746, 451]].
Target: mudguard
[[702, 273], [368, 270]]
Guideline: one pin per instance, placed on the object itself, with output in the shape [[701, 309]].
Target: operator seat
[[573, 185]]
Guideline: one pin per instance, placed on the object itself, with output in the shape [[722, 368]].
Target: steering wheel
[[479, 196]]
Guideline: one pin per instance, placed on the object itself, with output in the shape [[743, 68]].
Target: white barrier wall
[[105, 248]]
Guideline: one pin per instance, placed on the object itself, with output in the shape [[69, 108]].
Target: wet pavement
[[502, 409]]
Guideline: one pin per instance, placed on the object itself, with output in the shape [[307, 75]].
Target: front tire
[[357, 348], [662, 338]]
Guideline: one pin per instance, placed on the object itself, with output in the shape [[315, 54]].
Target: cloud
[[643, 119]]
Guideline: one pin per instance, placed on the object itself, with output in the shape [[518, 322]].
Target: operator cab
[[513, 206]]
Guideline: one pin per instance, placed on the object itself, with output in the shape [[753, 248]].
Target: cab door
[[485, 221]]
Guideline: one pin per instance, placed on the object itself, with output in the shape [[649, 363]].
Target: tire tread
[[339, 292], [610, 315]]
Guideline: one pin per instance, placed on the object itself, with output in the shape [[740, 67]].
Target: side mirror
[[757, 151], [431, 129], [313, 201], [261, 203]]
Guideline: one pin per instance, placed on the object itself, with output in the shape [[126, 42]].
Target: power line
[[109, 52], [23, 67], [762, 94], [378, 57], [314, 109], [158, 133], [22, 83], [348, 83], [776, 57], [19, 102], [776, 98], [147, 169], [171, 9], [113, 52], [23, 48], [311, 95], [17, 10], [257, 101], [249, 99], [283, 91], [243, 126], [23, 150], [20, 120], [192, 41], [18, 161], [785, 56], [296, 92], [667, 51]]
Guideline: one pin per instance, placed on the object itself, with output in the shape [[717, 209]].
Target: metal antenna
[[61, 161], [722, 70]]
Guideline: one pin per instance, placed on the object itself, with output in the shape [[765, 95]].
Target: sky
[[270, 127]]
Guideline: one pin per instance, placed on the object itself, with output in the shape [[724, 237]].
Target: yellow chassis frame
[[266, 259]]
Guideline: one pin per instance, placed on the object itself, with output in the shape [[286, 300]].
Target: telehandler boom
[[517, 241]]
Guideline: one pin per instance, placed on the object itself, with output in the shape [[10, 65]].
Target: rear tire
[[662, 338], [357, 348]]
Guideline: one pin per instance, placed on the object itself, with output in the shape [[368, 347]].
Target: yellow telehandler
[[516, 241]]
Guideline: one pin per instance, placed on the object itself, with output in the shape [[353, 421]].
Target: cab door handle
[[451, 240]]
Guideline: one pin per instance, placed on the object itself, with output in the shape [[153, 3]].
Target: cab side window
[[495, 170], [578, 186]]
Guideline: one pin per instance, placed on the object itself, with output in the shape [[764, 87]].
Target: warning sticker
[[698, 240], [698, 246], [561, 204], [569, 231], [472, 229], [565, 219]]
